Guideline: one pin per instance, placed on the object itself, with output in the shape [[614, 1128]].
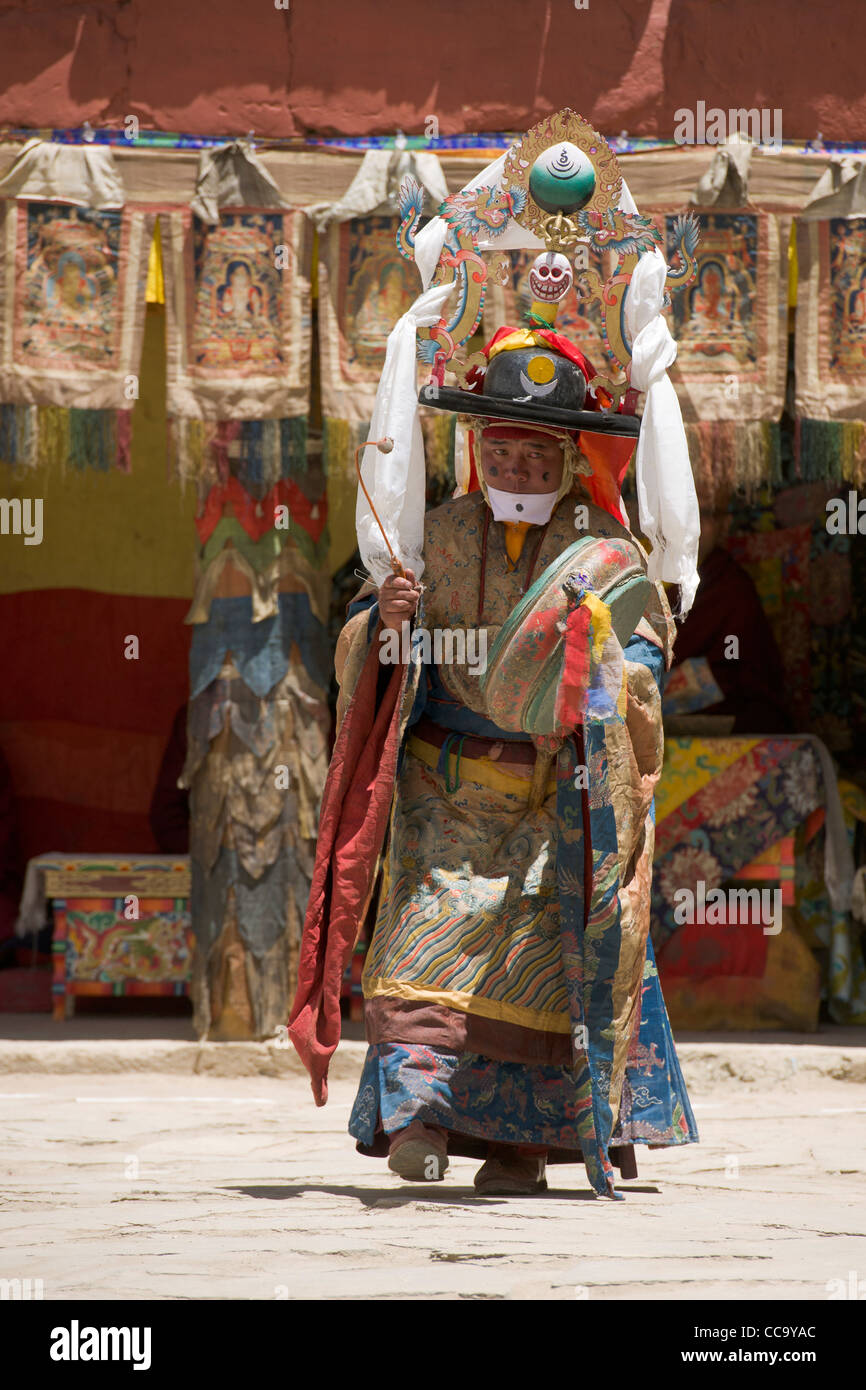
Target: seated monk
[[169, 806], [727, 605]]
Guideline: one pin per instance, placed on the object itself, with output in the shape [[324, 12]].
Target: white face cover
[[534, 507]]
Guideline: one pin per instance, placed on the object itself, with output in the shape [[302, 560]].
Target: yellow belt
[[483, 771]]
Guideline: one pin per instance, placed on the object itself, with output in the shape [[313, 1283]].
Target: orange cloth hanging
[[515, 535]]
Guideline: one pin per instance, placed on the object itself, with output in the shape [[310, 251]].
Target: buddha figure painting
[[238, 296], [376, 288], [67, 296], [715, 318]]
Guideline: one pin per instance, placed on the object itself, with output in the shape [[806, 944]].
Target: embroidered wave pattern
[[482, 927]]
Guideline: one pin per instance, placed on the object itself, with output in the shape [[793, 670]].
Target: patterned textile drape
[[238, 366], [720, 804], [72, 301]]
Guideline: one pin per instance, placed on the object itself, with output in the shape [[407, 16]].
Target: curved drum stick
[[384, 446]]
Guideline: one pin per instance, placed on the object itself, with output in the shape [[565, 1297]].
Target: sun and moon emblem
[[539, 379]]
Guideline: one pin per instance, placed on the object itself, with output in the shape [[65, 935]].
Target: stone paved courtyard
[[145, 1186]]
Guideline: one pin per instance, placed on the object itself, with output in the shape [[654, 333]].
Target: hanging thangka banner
[[830, 398], [239, 331], [730, 326], [365, 286], [238, 325], [730, 322], [72, 291]]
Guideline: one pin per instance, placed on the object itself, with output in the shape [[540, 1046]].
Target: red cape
[[356, 805]]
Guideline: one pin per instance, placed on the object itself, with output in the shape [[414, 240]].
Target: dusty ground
[[177, 1187]]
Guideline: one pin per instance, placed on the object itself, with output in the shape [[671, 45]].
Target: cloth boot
[[512, 1170], [419, 1152]]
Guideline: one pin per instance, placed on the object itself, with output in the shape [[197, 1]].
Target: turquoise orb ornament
[[562, 179]]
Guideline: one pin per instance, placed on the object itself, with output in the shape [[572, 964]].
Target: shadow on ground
[[418, 1192]]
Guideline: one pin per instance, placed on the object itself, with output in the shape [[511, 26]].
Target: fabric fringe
[[190, 455], [728, 456], [123, 455], [258, 452], [340, 439], [53, 436], [293, 449], [92, 439], [18, 436], [831, 450]]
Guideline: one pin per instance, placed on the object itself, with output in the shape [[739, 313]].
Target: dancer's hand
[[398, 599]]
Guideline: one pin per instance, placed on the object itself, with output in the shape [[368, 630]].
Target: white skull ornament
[[550, 277]]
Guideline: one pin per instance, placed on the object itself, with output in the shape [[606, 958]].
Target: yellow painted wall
[[342, 494], [120, 533]]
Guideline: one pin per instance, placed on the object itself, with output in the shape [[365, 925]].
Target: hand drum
[[524, 664]]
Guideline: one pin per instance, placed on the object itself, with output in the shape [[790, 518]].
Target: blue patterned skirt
[[479, 1101]]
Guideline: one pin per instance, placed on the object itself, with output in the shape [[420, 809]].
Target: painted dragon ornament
[[562, 183], [480, 215]]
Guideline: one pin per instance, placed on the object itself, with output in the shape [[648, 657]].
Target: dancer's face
[[522, 465]]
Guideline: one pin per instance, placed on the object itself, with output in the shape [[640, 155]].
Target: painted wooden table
[[121, 925]]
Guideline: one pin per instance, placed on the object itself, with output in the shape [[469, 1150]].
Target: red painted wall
[[359, 67]]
